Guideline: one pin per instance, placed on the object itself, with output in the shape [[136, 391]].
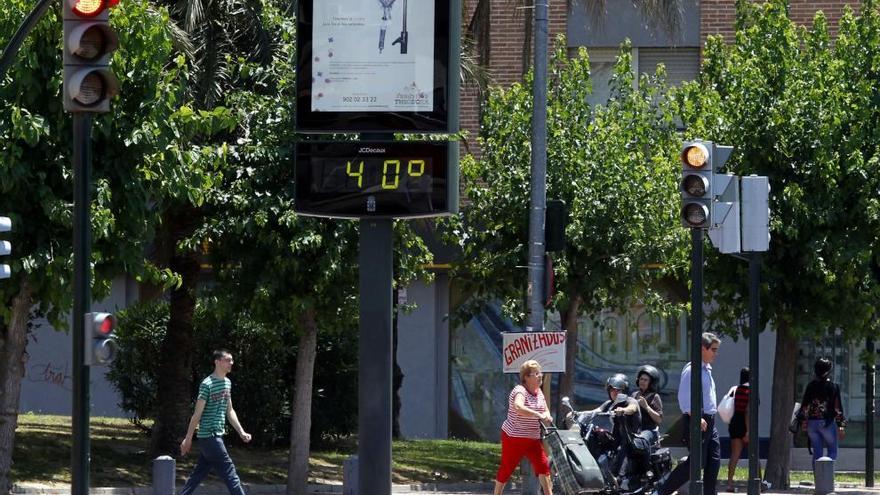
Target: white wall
[[423, 355], [47, 386]]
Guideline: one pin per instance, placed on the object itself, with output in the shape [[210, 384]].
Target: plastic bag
[[726, 406]]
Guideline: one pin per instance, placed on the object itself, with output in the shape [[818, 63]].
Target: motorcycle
[[634, 465]]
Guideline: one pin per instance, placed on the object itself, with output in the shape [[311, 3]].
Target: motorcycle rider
[[627, 419]]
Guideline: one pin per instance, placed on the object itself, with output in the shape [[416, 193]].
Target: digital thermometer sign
[[376, 179]]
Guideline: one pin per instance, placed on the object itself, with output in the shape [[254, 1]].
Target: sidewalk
[[436, 489]]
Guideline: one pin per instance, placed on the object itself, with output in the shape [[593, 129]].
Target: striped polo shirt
[[524, 426], [216, 393]]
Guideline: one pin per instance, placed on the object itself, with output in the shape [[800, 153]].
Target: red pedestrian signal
[[89, 43], [99, 348]]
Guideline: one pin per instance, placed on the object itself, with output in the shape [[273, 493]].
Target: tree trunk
[[784, 369], [301, 420], [397, 381], [174, 376], [13, 358], [566, 381]]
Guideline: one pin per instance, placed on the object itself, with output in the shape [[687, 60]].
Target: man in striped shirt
[[213, 406]]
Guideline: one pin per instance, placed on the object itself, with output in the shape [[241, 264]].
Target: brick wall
[[507, 35], [802, 11], [718, 16]]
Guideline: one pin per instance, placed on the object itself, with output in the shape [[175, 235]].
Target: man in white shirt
[[711, 445]]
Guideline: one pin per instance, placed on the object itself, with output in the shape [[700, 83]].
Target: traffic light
[[696, 185], [555, 221], [5, 247], [704, 202], [755, 213], [99, 348], [89, 43]]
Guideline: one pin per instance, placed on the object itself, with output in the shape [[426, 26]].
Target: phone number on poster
[[359, 99]]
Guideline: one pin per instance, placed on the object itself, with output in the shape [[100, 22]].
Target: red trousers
[[512, 451]]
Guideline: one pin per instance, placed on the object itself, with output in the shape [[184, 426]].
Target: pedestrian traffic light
[[89, 43], [99, 348], [755, 213], [5, 247]]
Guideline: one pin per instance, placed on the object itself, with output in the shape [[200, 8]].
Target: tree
[[615, 165], [132, 144], [804, 112], [213, 34]]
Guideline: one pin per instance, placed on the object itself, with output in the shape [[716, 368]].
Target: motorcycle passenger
[[650, 404], [627, 418], [651, 408]]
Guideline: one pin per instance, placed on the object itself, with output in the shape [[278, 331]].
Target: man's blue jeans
[[822, 435], [213, 455]]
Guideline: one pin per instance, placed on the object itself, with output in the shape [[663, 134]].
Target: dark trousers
[[213, 455], [711, 464]]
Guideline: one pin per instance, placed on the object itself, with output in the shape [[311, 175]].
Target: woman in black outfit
[[823, 409]]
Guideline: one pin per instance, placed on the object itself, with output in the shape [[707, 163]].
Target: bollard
[[163, 475], [823, 472], [350, 476]]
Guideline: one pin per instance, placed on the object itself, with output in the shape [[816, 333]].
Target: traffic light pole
[[696, 451], [82, 163], [754, 334], [375, 362], [870, 368]]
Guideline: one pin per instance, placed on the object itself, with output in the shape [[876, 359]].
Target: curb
[[212, 489]]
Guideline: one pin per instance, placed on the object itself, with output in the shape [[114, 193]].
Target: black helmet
[[617, 381], [653, 373]]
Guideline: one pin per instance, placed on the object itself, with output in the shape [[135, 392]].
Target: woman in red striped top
[[521, 431], [739, 424]]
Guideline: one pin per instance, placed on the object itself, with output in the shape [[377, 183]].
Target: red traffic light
[[107, 326], [102, 324], [91, 8]]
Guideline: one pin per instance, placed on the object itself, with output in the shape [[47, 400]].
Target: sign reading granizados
[[547, 348], [372, 56]]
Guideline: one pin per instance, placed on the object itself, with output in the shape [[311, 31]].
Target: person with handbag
[[823, 409], [739, 425]]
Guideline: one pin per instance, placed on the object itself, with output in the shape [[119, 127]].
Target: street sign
[[378, 179], [380, 66]]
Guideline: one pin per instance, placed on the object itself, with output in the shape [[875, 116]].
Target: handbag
[[726, 406]]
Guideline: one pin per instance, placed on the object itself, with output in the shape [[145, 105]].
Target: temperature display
[[388, 179]]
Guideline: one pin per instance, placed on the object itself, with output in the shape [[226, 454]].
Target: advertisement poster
[[373, 56], [547, 348]]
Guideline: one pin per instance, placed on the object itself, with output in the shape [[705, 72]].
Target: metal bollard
[[350, 476], [163, 475], [823, 472]]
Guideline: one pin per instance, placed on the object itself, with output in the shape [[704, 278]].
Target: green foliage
[[615, 166], [143, 153], [803, 111], [262, 386]]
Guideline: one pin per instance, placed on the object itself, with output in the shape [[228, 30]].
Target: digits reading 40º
[[390, 172]]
